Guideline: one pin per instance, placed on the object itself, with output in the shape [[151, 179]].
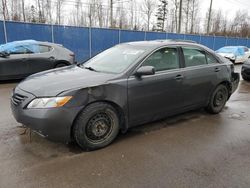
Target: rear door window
[[163, 59], [194, 57]]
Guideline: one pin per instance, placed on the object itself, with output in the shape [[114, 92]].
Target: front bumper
[[53, 123]]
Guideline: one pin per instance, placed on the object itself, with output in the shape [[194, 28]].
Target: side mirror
[[145, 70]]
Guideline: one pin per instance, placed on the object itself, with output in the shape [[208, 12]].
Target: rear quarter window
[[44, 49], [211, 59]]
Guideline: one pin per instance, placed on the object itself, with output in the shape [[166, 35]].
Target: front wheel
[[96, 126], [218, 99]]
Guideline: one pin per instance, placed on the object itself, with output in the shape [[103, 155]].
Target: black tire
[[58, 65], [218, 99], [96, 126], [245, 78]]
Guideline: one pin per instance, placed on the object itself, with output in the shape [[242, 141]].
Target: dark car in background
[[245, 70], [22, 58], [124, 86]]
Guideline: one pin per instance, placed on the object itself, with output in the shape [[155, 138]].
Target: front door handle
[[217, 69], [179, 77]]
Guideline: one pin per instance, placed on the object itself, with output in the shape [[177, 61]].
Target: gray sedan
[[21, 58], [122, 87]]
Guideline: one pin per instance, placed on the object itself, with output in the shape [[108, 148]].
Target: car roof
[[29, 41], [151, 44], [234, 47]]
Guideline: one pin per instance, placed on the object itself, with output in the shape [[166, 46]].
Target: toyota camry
[[122, 87]]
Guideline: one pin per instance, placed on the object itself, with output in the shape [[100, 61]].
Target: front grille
[[17, 99]]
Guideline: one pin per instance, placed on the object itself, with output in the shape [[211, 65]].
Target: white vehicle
[[236, 54]]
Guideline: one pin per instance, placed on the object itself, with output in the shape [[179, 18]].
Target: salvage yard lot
[[194, 149]]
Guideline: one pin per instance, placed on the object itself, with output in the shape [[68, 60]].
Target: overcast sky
[[227, 6]]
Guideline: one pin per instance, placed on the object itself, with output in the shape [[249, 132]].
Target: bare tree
[[5, 10], [209, 15], [100, 13], [186, 9], [23, 11], [180, 16], [148, 7], [194, 12], [48, 9], [240, 24], [59, 5], [176, 6]]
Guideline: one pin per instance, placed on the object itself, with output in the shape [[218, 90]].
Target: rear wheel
[[96, 126], [60, 65], [218, 99]]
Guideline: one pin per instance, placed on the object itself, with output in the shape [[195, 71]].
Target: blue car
[[236, 54]]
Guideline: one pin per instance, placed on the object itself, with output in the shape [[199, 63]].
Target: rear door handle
[[179, 77], [51, 57], [217, 69]]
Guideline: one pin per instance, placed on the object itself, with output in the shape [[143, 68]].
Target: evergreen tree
[[162, 14], [33, 14]]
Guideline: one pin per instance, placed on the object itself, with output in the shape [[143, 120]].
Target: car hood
[[53, 82]]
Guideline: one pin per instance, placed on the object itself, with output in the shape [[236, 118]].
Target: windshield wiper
[[90, 68]]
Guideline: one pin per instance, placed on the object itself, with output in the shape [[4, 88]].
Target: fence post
[[200, 40], [214, 41], [90, 42], [52, 34], [145, 35], [5, 32], [119, 36], [247, 41], [166, 35], [226, 41]]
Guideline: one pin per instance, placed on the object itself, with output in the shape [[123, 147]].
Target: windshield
[[227, 50], [116, 59]]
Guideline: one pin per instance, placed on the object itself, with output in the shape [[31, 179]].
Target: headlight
[[51, 102]]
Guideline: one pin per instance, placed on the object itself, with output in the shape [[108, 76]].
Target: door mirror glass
[[145, 70]]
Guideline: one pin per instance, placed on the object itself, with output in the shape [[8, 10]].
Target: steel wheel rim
[[99, 127], [220, 98]]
